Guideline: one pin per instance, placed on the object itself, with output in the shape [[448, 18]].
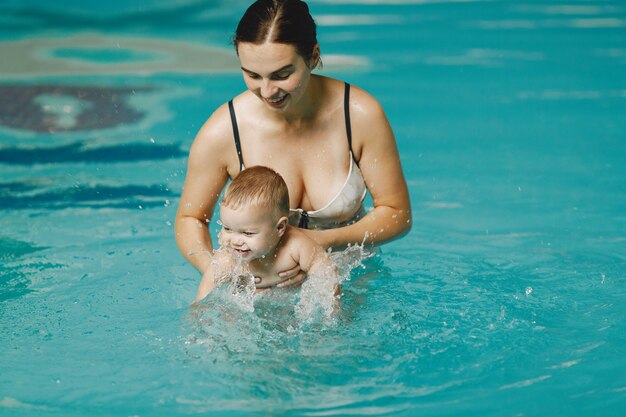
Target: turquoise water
[[506, 299]]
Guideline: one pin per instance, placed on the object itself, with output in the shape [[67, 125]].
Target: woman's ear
[[316, 58], [281, 225]]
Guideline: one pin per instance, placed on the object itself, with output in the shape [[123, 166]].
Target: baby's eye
[[249, 233]]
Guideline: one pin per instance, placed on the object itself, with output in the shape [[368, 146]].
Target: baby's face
[[249, 231]]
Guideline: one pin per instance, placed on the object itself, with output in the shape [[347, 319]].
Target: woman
[[329, 141]]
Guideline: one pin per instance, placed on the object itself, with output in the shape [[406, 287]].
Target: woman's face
[[274, 72]]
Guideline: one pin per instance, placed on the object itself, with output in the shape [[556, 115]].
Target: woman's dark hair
[[281, 21]]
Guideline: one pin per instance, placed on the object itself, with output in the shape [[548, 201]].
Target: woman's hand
[[293, 276]]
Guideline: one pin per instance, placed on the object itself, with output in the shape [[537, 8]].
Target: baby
[[254, 216]]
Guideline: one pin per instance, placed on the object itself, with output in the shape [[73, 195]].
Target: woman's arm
[[375, 149], [207, 174]]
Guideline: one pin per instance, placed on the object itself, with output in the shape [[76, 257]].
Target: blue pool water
[[506, 299]]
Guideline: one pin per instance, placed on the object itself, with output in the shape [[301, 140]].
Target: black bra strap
[[233, 120], [346, 110]]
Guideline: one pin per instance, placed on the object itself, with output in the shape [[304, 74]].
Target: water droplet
[[528, 291], [151, 140], [167, 203]]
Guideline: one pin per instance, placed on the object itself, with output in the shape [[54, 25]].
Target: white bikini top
[[346, 207]]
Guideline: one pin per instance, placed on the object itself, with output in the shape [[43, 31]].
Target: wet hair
[[258, 186], [280, 21]]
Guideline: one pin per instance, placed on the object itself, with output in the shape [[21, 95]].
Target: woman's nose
[[267, 89]]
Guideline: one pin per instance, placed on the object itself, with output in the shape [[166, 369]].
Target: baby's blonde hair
[[258, 186]]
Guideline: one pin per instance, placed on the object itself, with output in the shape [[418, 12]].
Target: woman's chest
[[314, 164]]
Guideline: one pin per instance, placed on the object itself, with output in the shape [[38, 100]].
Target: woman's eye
[[253, 76], [281, 76]]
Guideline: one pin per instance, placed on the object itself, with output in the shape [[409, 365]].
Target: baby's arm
[[219, 263], [314, 260], [320, 269], [207, 284]]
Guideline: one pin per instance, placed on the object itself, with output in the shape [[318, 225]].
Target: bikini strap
[[233, 120], [346, 111]]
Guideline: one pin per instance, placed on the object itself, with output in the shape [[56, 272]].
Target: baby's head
[[261, 187], [254, 212]]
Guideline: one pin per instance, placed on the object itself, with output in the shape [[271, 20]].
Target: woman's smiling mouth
[[276, 102]]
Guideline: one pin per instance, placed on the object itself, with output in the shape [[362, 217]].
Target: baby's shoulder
[[297, 243]]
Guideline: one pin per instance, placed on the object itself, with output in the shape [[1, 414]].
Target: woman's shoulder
[[361, 101], [216, 138], [219, 125], [368, 121], [216, 128]]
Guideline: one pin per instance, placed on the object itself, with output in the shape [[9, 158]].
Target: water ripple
[[80, 152], [90, 196]]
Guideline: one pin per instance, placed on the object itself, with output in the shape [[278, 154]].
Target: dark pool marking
[[106, 107], [14, 282], [75, 152], [92, 196]]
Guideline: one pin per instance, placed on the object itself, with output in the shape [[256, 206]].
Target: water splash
[[234, 317], [238, 283], [319, 297], [320, 294]]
